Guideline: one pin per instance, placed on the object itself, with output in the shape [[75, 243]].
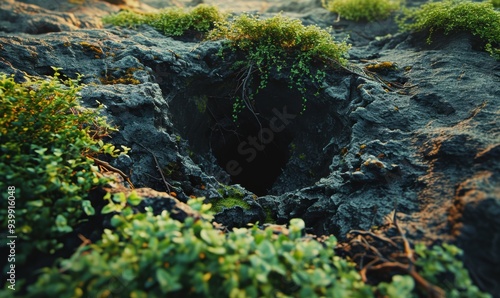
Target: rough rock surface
[[430, 149]]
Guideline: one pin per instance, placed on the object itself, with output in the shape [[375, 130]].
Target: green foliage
[[171, 21], [275, 44], [401, 286], [281, 44], [441, 266], [362, 10], [147, 255], [477, 18], [45, 137], [496, 3], [164, 257]]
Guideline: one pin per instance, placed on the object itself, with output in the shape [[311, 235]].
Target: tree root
[[110, 168], [379, 257]]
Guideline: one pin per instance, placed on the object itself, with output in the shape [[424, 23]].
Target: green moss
[[230, 191], [269, 216], [362, 10], [496, 3], [283, 45], [220, 204], [479, 19], [278, 43], [171, 21], [231, 196]]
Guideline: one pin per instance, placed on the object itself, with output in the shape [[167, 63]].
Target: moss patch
[[362, 10], [231, 197], [171, 21], [449, 16]]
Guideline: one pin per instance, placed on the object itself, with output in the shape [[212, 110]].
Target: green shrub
[[362, 10], [441, 266], [284, 45], [171, 21], [477, 18], [45, 138], [155, 256]]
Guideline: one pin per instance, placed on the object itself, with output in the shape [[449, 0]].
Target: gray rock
[[20, 17]]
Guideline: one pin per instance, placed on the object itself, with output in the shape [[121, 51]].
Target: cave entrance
[[255, 149], [254, 153], [273, 149]]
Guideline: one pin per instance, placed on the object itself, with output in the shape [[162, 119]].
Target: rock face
[[426, 143]]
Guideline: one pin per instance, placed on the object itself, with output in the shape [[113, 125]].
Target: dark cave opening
[[271, 149], [254, 152]]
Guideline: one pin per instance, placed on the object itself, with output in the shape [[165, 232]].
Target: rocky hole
[[273, 149]]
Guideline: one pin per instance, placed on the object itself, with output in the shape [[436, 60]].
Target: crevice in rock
[[273, 149]]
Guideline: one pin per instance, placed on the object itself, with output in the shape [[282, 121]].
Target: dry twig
[[384, 256], [110, 168], [158, 167]]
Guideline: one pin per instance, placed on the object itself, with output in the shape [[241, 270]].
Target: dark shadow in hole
[[254, 156]]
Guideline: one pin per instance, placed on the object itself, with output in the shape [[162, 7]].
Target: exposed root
[[110, 168], [379, 257]]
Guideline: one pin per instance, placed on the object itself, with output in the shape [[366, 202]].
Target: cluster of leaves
[[278, 43], [284, 45], [477, 18], [171, 21], [154, 255], [496, 3], [362, 10], [442, 266], [148, 255], [45, 137]]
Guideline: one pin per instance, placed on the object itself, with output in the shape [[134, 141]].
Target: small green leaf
[[41, 151], [62, 224], [37, 203], [108, 208], [211, 237], [134, 199], [167, 282], [87, 208], [218, 250]]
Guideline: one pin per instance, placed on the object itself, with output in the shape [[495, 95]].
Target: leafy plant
[[46, 138], [275, 44], [477, 18], [161, 256], [362, 10], [147, 255], [441, 265], [171, 21], [280, 44]]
